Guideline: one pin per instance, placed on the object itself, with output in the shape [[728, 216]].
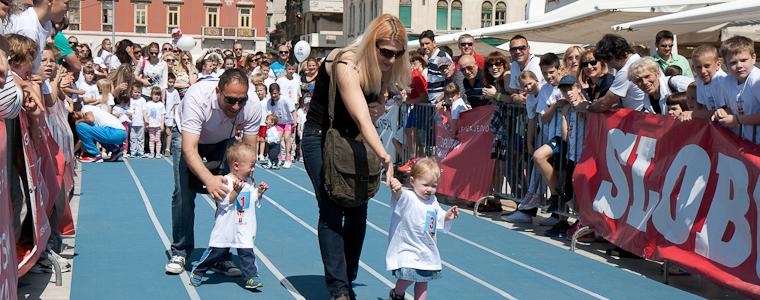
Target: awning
[[580, 22], [703, 18]]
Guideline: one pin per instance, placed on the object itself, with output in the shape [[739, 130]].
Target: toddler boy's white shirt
[[137, 106], [235, 224]]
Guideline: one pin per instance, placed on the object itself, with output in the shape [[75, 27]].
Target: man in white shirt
[[617, 53], [35, 23], [522, 60], [208, 116]]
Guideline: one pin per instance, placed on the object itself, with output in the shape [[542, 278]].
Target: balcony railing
[[229, 33]]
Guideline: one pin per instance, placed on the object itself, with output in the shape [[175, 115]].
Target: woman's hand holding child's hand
[[395, 185], [452, 213]]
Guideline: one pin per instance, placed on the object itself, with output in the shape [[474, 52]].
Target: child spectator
[[530, 87], [673, 70], [172, 101], [121, 111], [412, 254], [261, 91], [90, 87], [235, 225], [105, 98], [708, 74], [154, 115], [677, 104], [303, 108], [137, 131], [285, 112], [741, 88], [273, 143], [452, 95]]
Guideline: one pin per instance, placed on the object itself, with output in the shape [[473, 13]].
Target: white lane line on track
[[260, 255], [373, 226], [268, 263], [484, 248], [164, 239]]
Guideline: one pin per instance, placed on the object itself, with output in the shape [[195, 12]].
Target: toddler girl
[[154, 113]]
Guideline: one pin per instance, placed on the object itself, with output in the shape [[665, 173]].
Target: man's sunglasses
[[465, 44], [284, 52], [518, 48], [588, 63], [233, 100], [388, 53]]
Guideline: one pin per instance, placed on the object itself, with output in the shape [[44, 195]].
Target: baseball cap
[[176, 31], [443, 61], [568, 80]]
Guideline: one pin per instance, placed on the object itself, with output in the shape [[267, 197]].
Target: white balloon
[[302, 51], [185, 43]]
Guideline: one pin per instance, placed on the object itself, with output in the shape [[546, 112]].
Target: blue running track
[[124, 232]]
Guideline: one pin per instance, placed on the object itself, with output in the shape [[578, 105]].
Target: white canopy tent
[[581, 22], [705, 19]]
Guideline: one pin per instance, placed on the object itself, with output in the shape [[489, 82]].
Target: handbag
[[216, 161], [351, 169]]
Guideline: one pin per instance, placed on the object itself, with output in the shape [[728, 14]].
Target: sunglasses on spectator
[[465, 44], [496, 64], [467, 68], [284, 52], [518, 48], [167, 49], [238, 49], [668, 46], [588, 63], [153, 53], [170, 60], [388, 53], [186, 58], [233, 100], [73, 44]]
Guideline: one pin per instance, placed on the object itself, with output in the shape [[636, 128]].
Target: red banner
[[468, 167], [42, 179], [687, 193], [8, 282]]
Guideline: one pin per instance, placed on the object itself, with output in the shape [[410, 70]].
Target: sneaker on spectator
[[274, 166], [159, 156], [167, 153], [266, 164], [518, 217], [551, 221], [228, 268], [176, 265], [287, 164], [196, 279], [261, 158], [559, 230], [530, 202], [254, 283], [90, 159]]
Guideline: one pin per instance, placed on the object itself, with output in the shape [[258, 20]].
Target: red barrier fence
[[8, 277], [687, 193]]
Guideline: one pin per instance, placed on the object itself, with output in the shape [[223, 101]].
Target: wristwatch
[[588, 103]]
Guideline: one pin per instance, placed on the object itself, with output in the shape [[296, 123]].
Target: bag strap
[[331, 95]]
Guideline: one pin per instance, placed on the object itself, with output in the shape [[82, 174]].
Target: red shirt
[[418, 85]]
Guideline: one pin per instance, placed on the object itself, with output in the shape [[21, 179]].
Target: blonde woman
[[185, 73], [374, 62]]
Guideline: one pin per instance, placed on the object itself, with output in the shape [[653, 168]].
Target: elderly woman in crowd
[[646, 74]]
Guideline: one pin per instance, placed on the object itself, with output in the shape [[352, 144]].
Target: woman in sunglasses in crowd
[[185, 72], [594, 75], [373, 63], [151, 71]]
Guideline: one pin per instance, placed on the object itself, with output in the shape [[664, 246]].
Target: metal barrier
[[418, 138]]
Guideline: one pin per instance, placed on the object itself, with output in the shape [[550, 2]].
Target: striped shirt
[[10, 98], [436, 79]]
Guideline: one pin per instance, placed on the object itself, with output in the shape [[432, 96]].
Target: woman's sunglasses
[[388, 53], [587, 63]]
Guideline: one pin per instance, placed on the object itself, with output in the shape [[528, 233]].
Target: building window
[[107, 15], [172, 17], [212, 16], [456, 15], [442, 15], [73, 15], [269, 20], [501, 13], [374, 8], [405, 12], [351, 18], [141, 18], [486, 11], [245, 18]]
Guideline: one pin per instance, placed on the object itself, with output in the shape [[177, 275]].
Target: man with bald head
[[473, 80]]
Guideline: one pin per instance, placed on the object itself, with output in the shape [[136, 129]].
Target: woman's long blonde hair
[[385, 27]]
